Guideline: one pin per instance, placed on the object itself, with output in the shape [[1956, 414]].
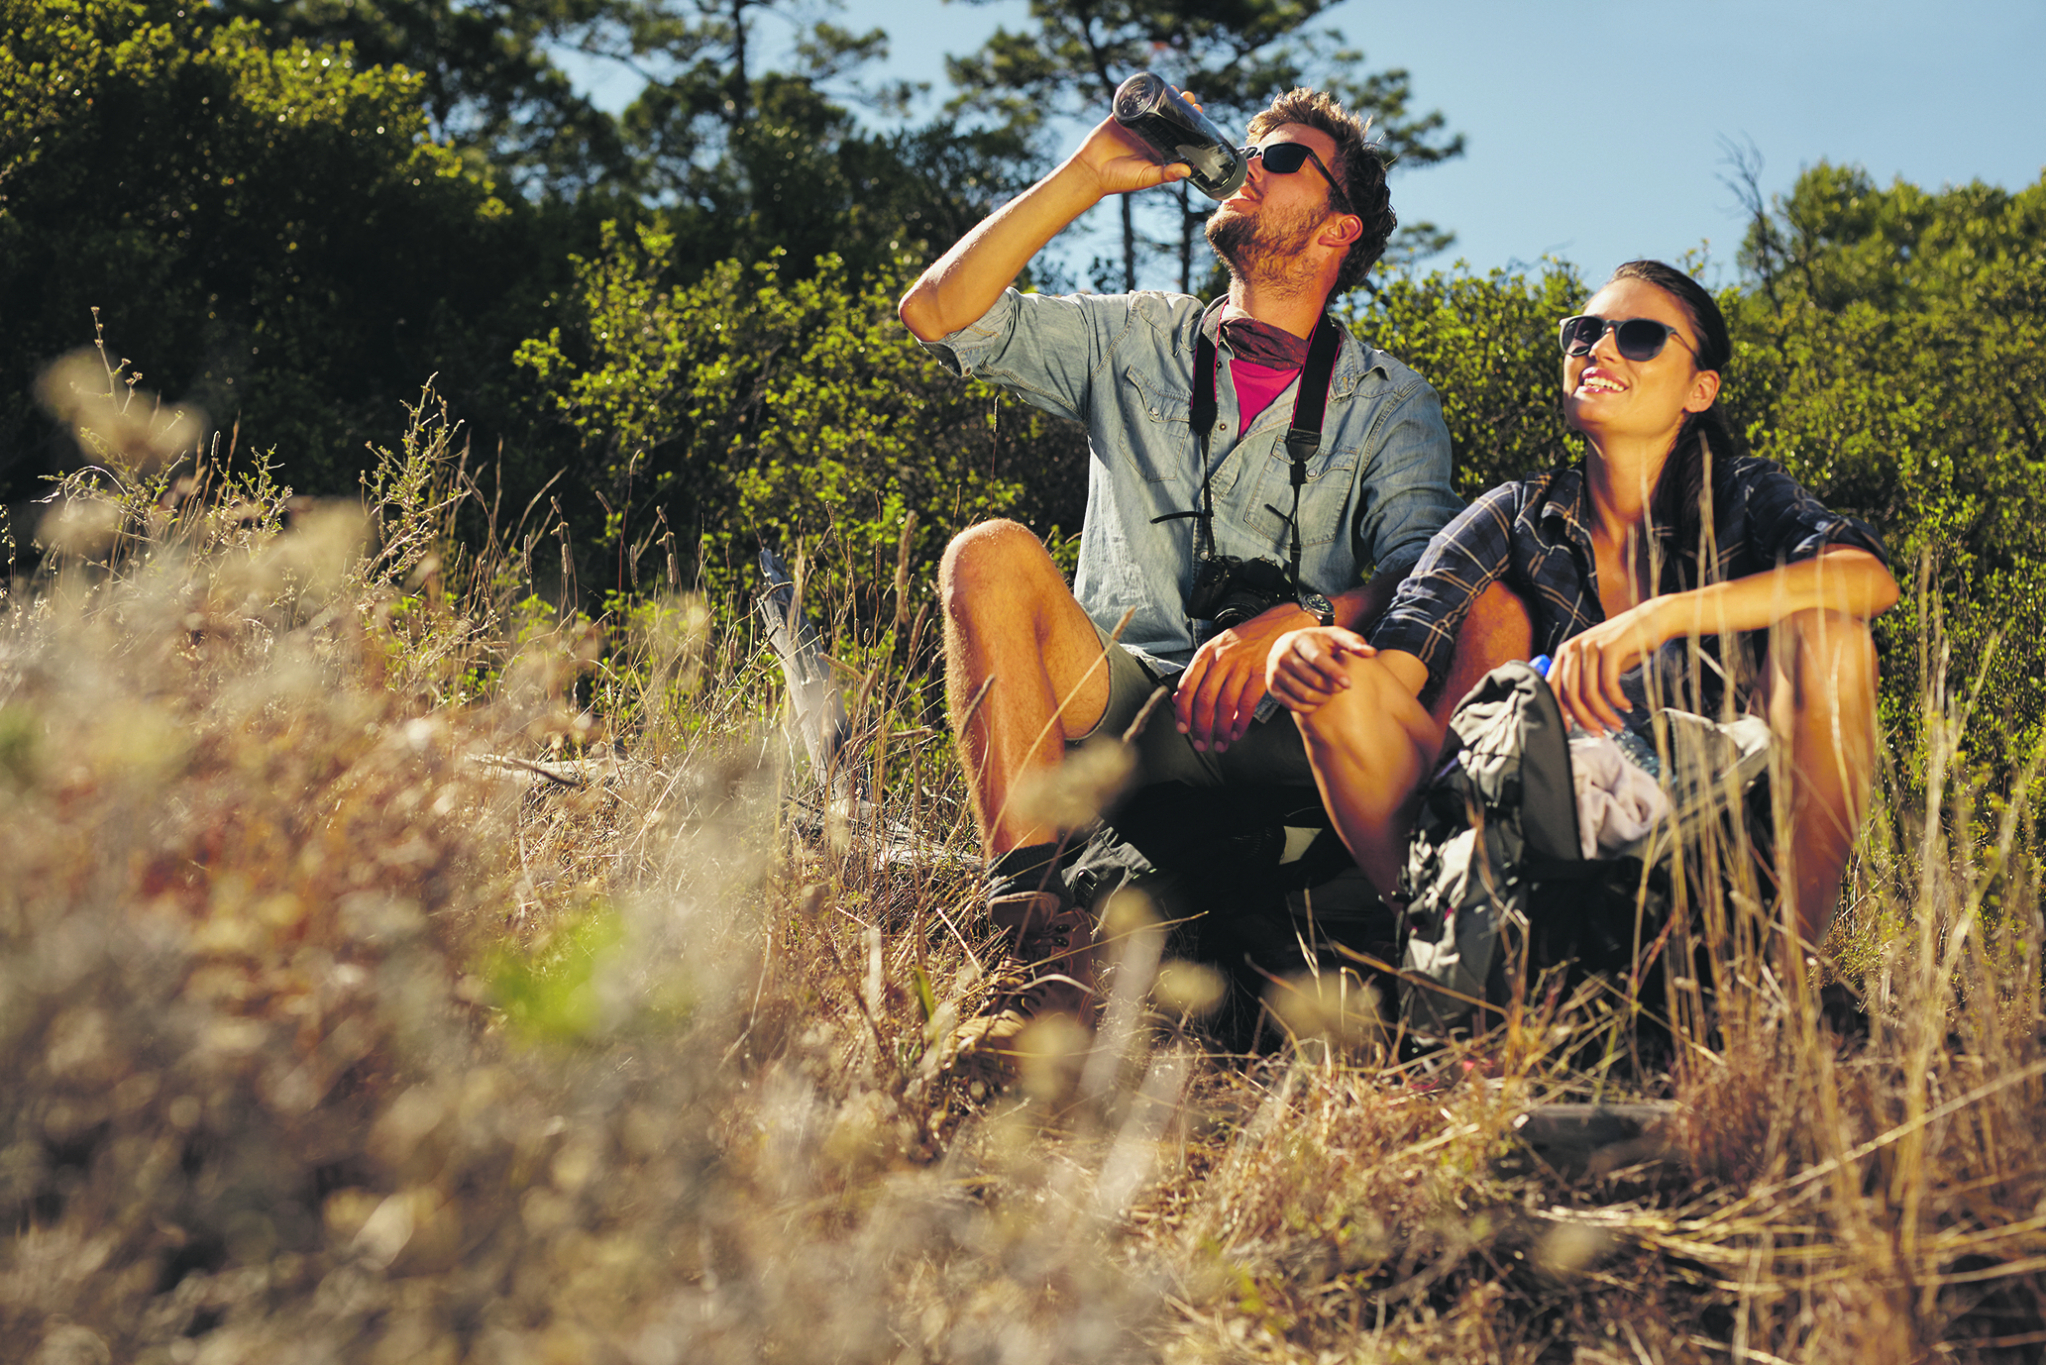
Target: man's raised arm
[[964, 283]]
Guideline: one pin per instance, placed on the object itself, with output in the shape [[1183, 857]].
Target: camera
[[1229, 591]]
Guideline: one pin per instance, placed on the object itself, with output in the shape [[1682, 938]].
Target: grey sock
[[1033, 867]]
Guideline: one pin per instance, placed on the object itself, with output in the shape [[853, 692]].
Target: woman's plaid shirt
[[1533, 535]]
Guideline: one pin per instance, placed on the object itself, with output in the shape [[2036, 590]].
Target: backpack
[[1496, 887]]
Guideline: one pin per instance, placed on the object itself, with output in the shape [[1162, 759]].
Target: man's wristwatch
[[1319, 607]]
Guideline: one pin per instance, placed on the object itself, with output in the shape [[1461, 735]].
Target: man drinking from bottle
[[1208, 533]]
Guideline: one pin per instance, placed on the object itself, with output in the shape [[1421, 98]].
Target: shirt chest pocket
[[1157, 429], [1325, 510]]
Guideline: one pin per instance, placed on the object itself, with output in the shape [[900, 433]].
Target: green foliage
[[554, 993], [1892, 355], [486, 80], [20, 736], [299, 230], [490, 86], [1487, 344], [273, 227], [749, 408], [798, 177]]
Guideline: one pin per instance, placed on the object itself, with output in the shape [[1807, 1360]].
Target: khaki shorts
[[1269, 754]]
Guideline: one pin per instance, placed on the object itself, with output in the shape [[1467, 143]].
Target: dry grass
[[326, 1038]]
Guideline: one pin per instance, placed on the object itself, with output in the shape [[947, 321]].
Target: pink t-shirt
[[1256, 387], [1264, 361]]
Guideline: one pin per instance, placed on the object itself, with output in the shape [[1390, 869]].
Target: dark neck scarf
[[1261, 343]]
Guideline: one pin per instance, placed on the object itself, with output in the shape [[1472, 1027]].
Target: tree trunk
[[738, 94]]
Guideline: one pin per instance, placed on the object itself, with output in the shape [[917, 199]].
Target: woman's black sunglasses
[[1285, 158], [1637, 338]]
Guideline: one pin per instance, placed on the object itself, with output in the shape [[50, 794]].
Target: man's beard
[[1265, 248]]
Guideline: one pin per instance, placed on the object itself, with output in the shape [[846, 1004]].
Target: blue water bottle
[[1638, 750]]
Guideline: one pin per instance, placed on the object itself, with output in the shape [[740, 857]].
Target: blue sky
[[1594, 132]]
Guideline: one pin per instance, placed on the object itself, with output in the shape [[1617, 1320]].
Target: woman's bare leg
[[1369, 746], [1819, 694], [1372, 743], [1498, 628]]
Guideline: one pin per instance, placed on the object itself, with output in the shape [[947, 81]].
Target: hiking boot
[[1047, 969]]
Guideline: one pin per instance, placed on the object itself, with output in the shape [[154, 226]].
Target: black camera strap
[[1303, 437]]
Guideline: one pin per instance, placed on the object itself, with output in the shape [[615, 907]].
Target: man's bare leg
[[1819, 693], [1024, 671], [1024, 674], [1372, 743]]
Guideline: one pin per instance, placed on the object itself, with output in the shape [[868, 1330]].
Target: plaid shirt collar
[[1563, 513]]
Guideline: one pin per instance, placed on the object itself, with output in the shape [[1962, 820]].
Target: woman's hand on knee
[[1306, 668]]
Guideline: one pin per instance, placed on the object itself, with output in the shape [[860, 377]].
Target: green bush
[[748, 408], [274, 229], [1487, 344], [1891, 353]]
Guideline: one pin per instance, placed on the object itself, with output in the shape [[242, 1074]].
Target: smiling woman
[[1661, 548]]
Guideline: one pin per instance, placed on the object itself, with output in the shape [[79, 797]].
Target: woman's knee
[[1830, 656], [1374, 707], [1500, 626]]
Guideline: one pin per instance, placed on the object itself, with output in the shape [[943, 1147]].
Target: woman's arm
[[1307, 668], [1587, 668]]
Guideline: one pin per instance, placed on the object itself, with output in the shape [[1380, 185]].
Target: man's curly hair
[[1358, 165]]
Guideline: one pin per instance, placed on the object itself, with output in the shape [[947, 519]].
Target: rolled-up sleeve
[[1783, 523], [1460, 562], [1405, 494], [1044, 348]]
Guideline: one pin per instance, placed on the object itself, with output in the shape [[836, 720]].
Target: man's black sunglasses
[[1637, 338], [1285, 158]]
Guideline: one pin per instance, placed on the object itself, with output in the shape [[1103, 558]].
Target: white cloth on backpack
[[1617, 802]]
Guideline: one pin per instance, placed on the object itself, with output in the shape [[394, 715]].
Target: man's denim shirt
[[1122, 364]]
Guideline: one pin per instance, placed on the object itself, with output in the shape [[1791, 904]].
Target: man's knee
[[990, 563], [1008, 609]]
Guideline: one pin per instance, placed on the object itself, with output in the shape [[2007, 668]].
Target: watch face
[[1322, 610]]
